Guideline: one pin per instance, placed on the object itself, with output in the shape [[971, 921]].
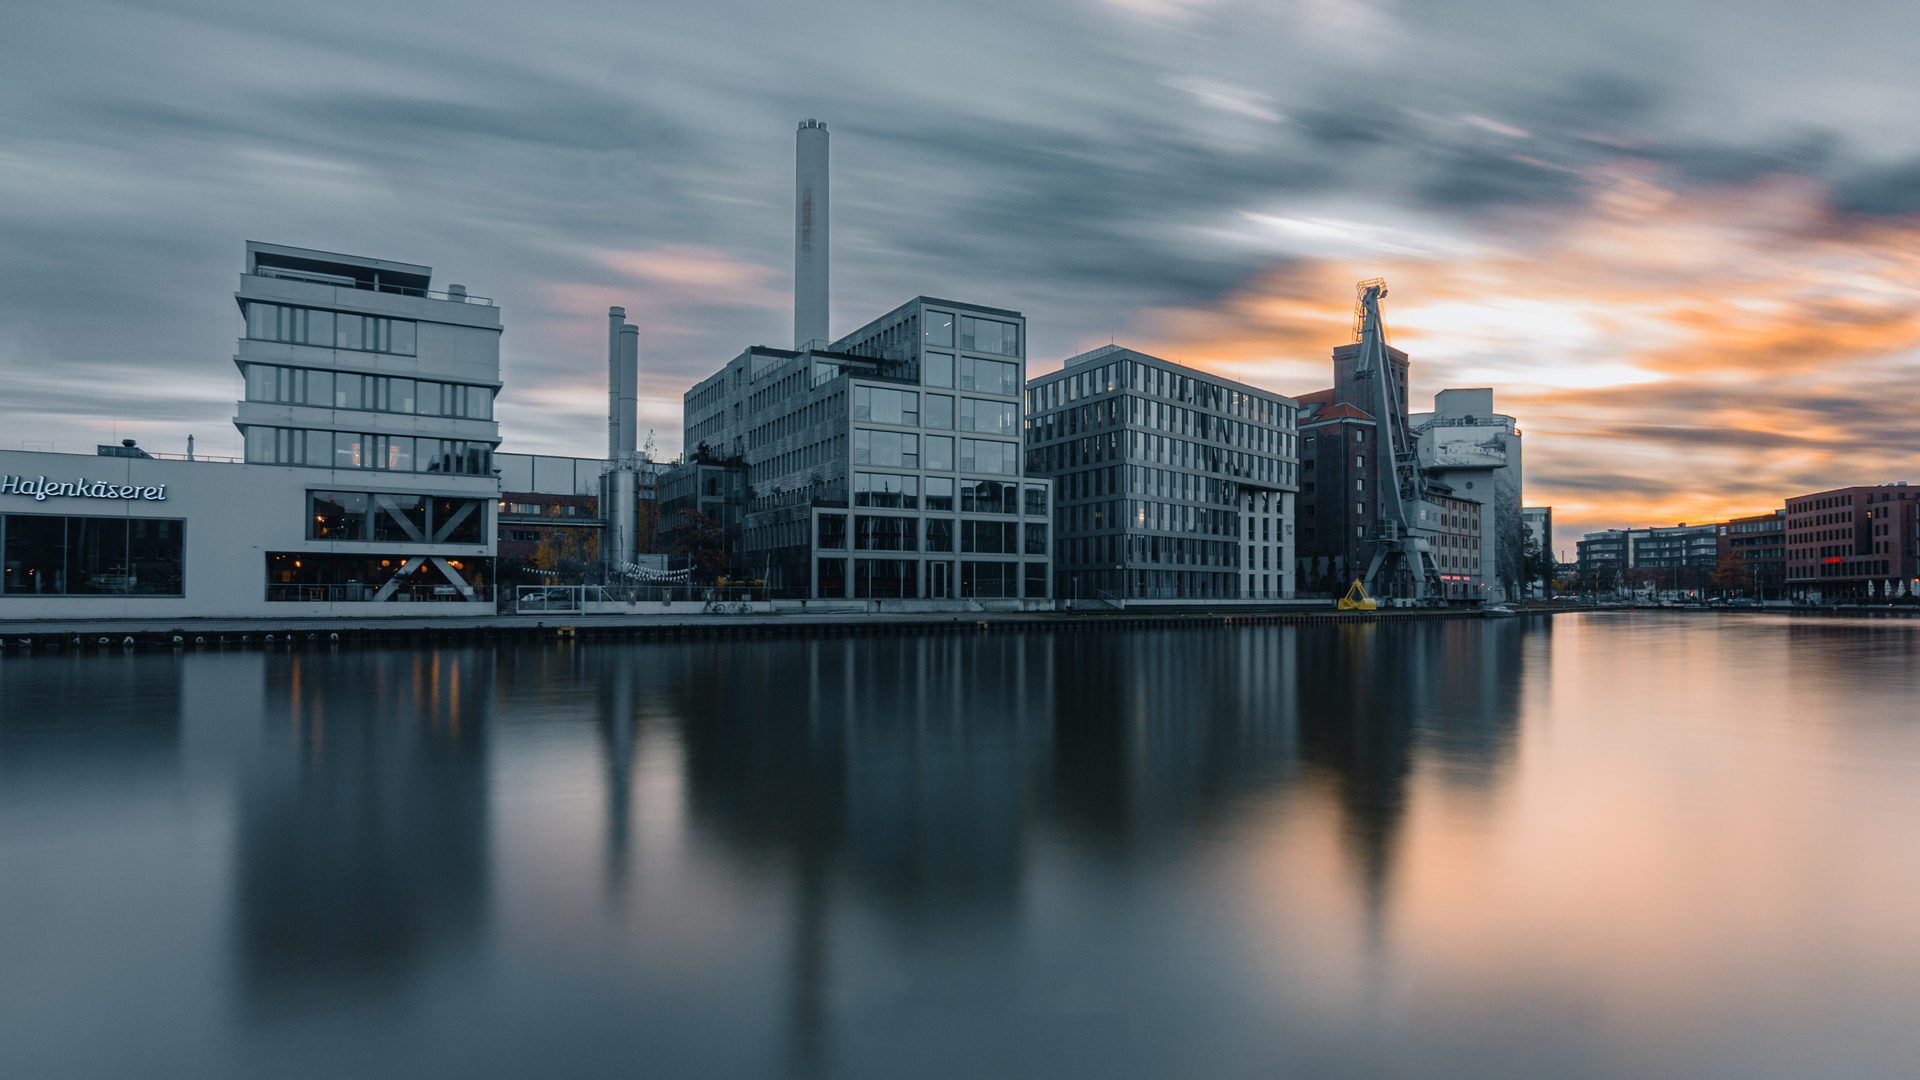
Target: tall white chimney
[[623, 424], [623, 385], [810, 234]]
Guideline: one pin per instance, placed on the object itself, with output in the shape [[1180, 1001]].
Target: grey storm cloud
[[1078, 160]]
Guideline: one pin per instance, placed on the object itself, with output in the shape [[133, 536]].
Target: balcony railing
[[376, 286], [366, 594]]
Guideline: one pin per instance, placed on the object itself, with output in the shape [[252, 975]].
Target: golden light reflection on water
[[1631, 844]]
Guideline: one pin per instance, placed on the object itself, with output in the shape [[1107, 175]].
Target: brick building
[[1852, 543]]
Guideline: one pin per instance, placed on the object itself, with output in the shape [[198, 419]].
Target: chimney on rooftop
[[619, 480], [623, 384], [810, 234]]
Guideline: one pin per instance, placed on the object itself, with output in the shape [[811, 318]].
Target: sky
[[1680, 240]]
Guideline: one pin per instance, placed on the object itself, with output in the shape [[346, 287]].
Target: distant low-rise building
[[1536, 523], [1603, 559], [1754, 547]]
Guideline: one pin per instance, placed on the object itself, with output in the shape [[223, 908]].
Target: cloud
[[1229, 99], [1619, 217], [1496, 127], [1720, 348]]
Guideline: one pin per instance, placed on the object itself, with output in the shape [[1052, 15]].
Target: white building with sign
[[368, 486]]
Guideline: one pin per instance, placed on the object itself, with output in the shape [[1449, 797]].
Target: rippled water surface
[[1631, 845]]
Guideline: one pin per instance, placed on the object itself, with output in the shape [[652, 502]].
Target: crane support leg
[[1379, 556]]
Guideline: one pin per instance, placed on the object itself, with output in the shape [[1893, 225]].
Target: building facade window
[[989, 417], [360, 450], [371, 392], [48, 555], [991, 537], [313, 577], [886, 579], [895, 448], [940, 453], [832, 533], [331, 330], [940, 369], [989, 497], [395, 518], [989, 336], [989, 580], [990, 376], [994, 458], [877, 533], [886, 490], [831, 575], [882, 406], [1036, 583], [938, 329], [940, 493]]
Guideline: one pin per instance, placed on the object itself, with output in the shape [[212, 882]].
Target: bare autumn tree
[[567, 555], [1732, 573], [699, 538]]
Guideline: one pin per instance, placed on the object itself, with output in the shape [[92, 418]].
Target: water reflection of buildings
[[1371, 694], [111, 715], [1157, 729], [904, 767], [363, 827], [918, 772]]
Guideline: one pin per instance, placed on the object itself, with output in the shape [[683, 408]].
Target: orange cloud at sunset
[[1670, 357]]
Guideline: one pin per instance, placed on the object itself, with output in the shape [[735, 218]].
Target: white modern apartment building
[[1173, 484], [367, 485]]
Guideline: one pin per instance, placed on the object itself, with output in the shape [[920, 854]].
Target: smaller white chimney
[[623, 385], [810, 234]]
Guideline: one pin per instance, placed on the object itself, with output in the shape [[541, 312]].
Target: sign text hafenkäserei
[[41, 489]]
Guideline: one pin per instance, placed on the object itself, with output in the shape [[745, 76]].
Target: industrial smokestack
[[623, 385], [623, 425], [810, 234]]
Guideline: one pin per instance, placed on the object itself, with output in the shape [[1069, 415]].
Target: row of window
[[1174, 518], [974, 373], [893, 492], [879, 405], [396, 518], [1160, 416], [1159, 382], [901, 450], [979, 335], [1143, 446], [901, 579], [50, 555], [358, 450], [330, 329], [379, 393], [1174, 550], [873, 532], [327, 577], [798, 419]]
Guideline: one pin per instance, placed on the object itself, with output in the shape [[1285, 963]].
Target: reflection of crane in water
[[1401, 544]]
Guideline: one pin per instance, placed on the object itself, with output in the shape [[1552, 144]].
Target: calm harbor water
[[1623, 845]]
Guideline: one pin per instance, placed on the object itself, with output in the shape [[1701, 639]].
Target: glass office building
[[1172, 484], [884, 466]]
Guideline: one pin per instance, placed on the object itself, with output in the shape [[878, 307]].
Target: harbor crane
[[1400, 539]]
